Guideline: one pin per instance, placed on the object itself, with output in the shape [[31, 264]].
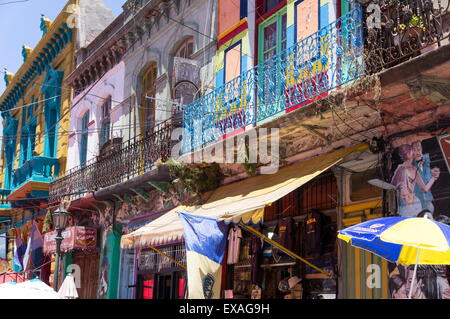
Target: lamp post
[[60, 222]]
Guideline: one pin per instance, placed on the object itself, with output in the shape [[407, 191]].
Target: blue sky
[[19, 25]]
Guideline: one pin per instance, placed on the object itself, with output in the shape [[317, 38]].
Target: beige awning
[[244, 200]]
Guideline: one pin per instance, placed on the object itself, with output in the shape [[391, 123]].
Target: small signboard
[[76, 237]]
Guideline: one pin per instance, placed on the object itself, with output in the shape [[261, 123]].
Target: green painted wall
[[68, 260], [113, 242], [110, 259]]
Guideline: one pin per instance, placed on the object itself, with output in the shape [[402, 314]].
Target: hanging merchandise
[[256, 249], [234, 244], [283, 286], [285, 232], [313, 232], [295, 287], [256, 292]]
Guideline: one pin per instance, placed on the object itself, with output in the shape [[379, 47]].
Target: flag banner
[[19, 252], [33, 256], [205, 248]]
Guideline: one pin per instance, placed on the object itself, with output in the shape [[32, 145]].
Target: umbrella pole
[[414, 275]]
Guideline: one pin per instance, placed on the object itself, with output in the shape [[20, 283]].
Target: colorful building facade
[[347, 104], [35, 108]]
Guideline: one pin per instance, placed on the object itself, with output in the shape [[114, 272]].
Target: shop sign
[[76, 237]]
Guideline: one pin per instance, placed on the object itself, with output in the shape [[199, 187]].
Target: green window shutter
[[84, 139]]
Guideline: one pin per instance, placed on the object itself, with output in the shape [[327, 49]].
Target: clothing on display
[[285, 232], [234, 244], [313, 232], [255, 252]]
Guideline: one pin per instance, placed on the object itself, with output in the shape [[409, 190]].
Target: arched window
[[105, 134], [186, 49], [148, 99]]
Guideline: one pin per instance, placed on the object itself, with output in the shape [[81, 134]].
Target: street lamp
[[60, 217]]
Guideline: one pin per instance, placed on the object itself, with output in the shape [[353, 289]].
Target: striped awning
[[241, 201]]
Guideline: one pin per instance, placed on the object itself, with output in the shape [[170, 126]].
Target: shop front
[[409, 180], [304, 222], [160, 275], [131, 284], [81, 256], [281, 240]]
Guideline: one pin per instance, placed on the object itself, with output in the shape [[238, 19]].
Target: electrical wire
[[11, 2]]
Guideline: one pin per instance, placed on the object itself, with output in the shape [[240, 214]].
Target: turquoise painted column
[[114, 237], [109, 263]]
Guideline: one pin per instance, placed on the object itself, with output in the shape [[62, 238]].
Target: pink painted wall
[[307, 18], [229, 14], [233, 63], [111, 84]]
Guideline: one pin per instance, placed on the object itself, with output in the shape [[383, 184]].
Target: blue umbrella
[[405, 240]]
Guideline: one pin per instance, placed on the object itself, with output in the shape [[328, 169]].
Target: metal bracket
[[160, 186], [140, 194], [127, 199]]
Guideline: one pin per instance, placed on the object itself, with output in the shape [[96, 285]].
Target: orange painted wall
[[233, 63], [229, 14], [307, 18]]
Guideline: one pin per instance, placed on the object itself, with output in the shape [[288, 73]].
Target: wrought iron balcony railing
[[133, 158], [38, 169], [406, 28], [297, 76]]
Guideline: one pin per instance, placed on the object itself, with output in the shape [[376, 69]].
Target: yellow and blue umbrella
[[404, 240]]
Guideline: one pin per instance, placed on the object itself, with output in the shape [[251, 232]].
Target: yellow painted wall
[[64, 62], [355, 261]]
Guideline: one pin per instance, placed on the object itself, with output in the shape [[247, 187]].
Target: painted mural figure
[[431, 282], [407, 177], [422, 164]]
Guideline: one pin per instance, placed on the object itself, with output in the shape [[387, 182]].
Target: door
[[164, 290], [148, 99], [89, 266], [127, 279], [84, 139], [271, 72]]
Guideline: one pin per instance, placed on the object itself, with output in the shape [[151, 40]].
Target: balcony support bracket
[[140, 194], [127, 199]]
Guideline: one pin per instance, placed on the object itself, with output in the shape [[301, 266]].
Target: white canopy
[[32, 289]]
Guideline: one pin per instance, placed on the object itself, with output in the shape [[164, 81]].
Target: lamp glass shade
[[60, 217]]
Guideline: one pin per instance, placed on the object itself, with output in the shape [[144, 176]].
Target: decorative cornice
[[109, 53], [8, 77], [26, 51], [57, 37], [45, 24]]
